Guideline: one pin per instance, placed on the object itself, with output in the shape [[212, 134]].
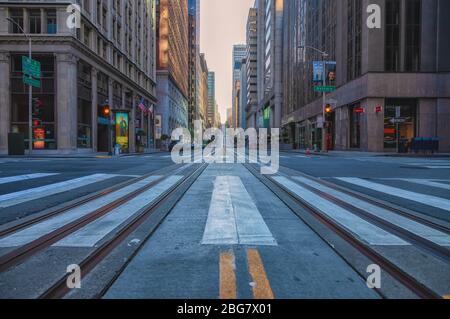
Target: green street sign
[[31, 81], [31, 67], [326, 89]]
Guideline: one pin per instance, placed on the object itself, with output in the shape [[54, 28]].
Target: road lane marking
[[425, 182], [233, 217], [17, 178], [366, 231], [261, 285], [23, 196], [419, 229], [92, 233], [38, 230], [428, 200], [227, 276]]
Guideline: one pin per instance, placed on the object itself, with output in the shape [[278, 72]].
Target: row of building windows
[[39, 21]]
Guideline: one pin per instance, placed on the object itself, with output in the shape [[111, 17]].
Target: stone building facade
[[109, 60], [392, 83], [172, 65]]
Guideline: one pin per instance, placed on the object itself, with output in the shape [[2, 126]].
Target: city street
[[141, 227]]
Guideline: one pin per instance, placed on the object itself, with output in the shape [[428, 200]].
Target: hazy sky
[[223, 23]]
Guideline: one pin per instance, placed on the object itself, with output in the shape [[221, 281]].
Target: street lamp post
[[30, 91], [324, 94]]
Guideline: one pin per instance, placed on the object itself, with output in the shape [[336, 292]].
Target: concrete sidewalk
[[370, 154], [82, 155]]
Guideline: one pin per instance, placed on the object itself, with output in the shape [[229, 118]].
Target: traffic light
[[106, 111], [37, 107], [328, 113]]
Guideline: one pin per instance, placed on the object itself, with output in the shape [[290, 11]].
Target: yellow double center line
[[260, 282]]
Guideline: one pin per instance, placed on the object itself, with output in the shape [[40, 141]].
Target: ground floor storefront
[[80, 107], [375, 125]]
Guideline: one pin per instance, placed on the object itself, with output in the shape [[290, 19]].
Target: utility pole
[[324, 94], [30, 91]]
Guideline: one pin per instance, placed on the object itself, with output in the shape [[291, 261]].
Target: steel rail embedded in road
[[78, 202], [60, 289], [377, 202], [17, 255], [398, 274]]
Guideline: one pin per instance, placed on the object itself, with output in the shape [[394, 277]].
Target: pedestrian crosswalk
[[47, 226], [10, 179], [233, 217], [429, 200], [368, 232], [11, 199], [426, 232]]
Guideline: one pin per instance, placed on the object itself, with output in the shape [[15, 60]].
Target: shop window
[[399, 122], [44, 119]]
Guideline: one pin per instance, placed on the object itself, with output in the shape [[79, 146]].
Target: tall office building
[[243, 98], [172, 65], [109, 60], [239, 54], [392, 83], [204, 91], [270, 62], [194, 110], [252, 68], [211, 99]]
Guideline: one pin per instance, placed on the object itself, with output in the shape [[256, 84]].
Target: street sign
[[31, 70], [31, 67], [31, 81], [359, 110], [326, 89]]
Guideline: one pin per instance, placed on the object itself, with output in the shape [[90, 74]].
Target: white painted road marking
[[358, 226], [428, 200], [421, 230], [233, 217], [17, 178], [92, 233], [425, 182], [47, 226], [23, 196]]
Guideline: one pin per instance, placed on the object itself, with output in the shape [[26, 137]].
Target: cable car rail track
[[77, 202], [59, 289], [293, 201], [17, 255]]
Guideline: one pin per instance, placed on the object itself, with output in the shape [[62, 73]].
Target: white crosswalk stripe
[[91, 234], [426, 182], [396, 219], [366, 231], [38, 230], [429, 200], [23, 196], [233, 217], [18, 178]]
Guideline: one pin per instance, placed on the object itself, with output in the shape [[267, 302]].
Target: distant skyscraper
[[211, 98], [252, 68], [194, 111], [239, 54]]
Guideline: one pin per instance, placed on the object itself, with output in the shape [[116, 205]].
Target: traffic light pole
[[30, 91], [324, 98]]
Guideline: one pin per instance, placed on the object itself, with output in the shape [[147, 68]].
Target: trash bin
[[16, 144]]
